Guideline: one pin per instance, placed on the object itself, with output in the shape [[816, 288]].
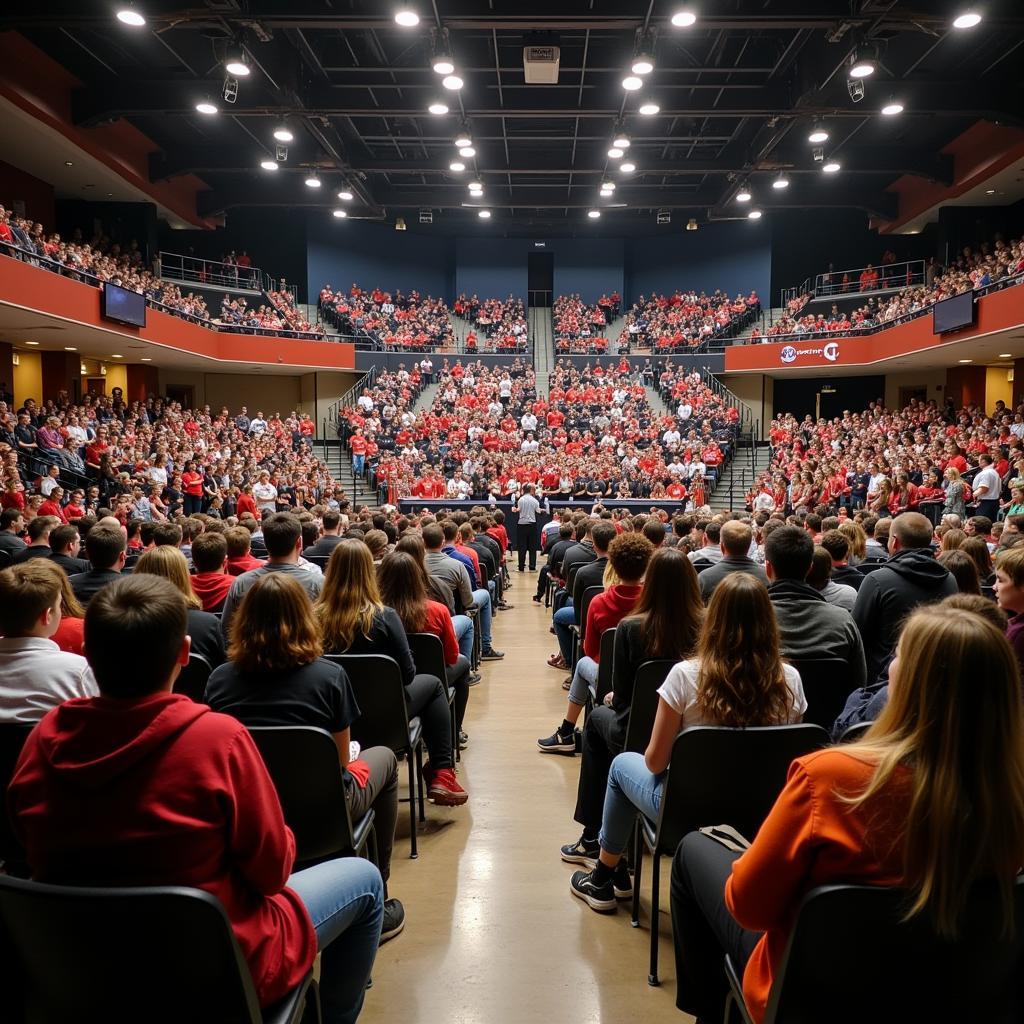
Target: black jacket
[[324, 546], [557, 553], [847, 575], [589, 575], [714, 574], [72, 566], [87, 584], [911, 577], [207, 636]]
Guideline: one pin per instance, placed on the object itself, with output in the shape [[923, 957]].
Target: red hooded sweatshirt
[[164, 791], [212, 588]]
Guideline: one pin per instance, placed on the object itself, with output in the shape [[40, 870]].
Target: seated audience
[[211, 581], [1009, 590], [819, 577], [735, 539], [39, 529], [65, 543], [106, 547], [962, 568]]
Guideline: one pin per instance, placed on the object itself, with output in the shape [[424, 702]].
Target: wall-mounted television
[[953, 314], [124, 306]]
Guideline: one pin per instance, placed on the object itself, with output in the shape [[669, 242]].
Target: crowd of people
[[498, 325], [388, 321], [579, 327], [685, 320]]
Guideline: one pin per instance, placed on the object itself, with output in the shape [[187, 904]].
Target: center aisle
[[494, 934]]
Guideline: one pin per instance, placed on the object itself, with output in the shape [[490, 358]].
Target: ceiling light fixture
[[632, 82], [32, 343], [684, 19], [892, 108], [313, 181], [452, 82], [467, 151], [818, 134], [609, 185], [744, 195], [605, 193], [116, 355], [345, 195], [70, 348], [443, 65], [438, 109], [643, 64], [206, 107], [462, 140], [649, 108], [236, 63], [475, 185], [593, 214], [628, 167], [457, 166], [406, 17], [990, 191], [339, 213], [1005, 355], [145, 359], [128, 15], [861, 66], [268, 165], [621, 140], [754, 215], [832, 167], [615, 153], [283, 133], [484, 214], [691, 224], [966, 360], [966, 20], [780, 182]]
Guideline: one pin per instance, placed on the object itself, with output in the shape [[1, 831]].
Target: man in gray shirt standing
[[527, 533]]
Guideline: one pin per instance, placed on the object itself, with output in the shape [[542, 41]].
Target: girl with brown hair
[[276, 676], [737, 678], [70, 635], [931, 799], [353, 619]]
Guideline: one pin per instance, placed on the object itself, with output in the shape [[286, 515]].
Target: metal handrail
[[177, 267], [905, 274], [789, 294], [348, 399]]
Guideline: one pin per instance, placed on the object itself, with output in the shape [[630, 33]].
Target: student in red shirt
[[192, 481], [240, 559], [211, 580], [100, 776], [52, 506], [247, 503]]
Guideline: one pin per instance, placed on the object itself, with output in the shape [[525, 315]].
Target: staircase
[[339, 462], [763, 322], [542, 341], [739, 475]]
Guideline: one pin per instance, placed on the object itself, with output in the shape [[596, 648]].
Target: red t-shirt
[[70, 635], [358, 444], [439, 622], [606, 611], [193, 484], [247, 503]]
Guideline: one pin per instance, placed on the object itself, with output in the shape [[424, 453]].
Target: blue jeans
[[582, 679], [463, 626], [562, 620], [358, 464], [345, 899], [631, 788], [482, 599]]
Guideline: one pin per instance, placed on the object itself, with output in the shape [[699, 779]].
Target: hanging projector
[[540, 65]]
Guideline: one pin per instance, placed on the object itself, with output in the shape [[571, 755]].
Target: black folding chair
[[320, 560], [579, 628], [904, 971], [303, 762], [644, 706], [604, 668], [160, 954], [428, 654], [192, 679], [827, 683], [6, 558], [855, 732], [718, 776], [384, 720], [12, 739]]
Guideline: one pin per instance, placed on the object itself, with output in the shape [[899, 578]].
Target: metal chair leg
[[652, 977], [419, 777], [413, 853], [638, 860]]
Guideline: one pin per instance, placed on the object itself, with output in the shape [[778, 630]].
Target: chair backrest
[[721, 776], [12, 739], [6, 558], [604, 668], [644, 706], [588, 595], [700, 564], [319, 560], [827, 683], [193, 678], [158, 954], [428, 654], [854, 732], [377, 685], [304, 764], [870, 566], [847, 931]]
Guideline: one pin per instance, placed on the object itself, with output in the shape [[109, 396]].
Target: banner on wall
[[790, 354]]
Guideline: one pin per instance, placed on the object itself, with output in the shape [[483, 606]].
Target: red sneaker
[[445, 789]]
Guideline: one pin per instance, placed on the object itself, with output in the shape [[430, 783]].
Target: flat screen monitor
[[953, 314], [124, 306]]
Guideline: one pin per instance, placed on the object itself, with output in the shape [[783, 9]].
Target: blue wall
[[492, 268], [735, 256]]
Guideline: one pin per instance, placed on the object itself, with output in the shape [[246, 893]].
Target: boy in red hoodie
[[141, 786], [211, 580]]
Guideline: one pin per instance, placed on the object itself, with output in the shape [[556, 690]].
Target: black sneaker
[[622, 882], [597, 897], [394, 920], [556, 743], [578, 737], [490, 654], [463, 740], [583, 851], [474, 678]]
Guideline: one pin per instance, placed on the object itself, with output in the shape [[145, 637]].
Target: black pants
[[458, 680], [425, 697], [527, 540], [702, 927], [193, 504], [380, 793], [542, 580], [603, 738]]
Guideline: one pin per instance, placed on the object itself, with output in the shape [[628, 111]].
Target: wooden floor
[[493, 933]]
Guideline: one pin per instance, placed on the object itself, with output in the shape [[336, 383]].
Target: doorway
[[184, 394], [913, 394], [540, 278]]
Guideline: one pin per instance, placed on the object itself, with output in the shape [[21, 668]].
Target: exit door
[[540, 278]]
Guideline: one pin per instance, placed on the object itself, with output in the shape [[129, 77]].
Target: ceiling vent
[[540, 65]]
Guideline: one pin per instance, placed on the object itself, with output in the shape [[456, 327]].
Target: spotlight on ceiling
[[313, 181], [649, 108], [467, 151], [345, 195], [452, 82], [399, 223], [407, 18], [593, 214], [691, 224], [754, 215], [780, 182], [268, 165], [861, 66], [474, 185], [206, 107], [608, 186], [615, 153], [462, 140], [627, 167], [605, 193], [128, 15], [443, 65], [632, 82], [283, 133], [621, 140], [966, 20], [438, 109], [684, 19], [236, 64], [484, 214], [457, 166], [338, 213], [892, 108], [832, 167], [643, 64], [818, 134], [744, 195]]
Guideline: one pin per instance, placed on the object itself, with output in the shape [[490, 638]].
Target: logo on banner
[[788, 354], [831, 351], [791, 353]]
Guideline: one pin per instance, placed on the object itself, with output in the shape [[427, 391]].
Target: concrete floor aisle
[[494, 936]]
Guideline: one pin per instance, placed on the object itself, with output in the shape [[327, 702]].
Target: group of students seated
[[279, 314], [126, 779], [498, 325], [743, 607], [391, 322], [683, 321], [579, 326]]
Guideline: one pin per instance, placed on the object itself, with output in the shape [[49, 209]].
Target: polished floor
[[493, 933]]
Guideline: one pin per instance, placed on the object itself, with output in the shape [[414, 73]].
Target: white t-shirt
[[265, 495], [679, 692], [989, 479]]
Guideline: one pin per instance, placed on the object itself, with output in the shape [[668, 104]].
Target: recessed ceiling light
[[892, 108], [754, 215], [643, 64], [130, 16], [593, 214], [966, 360], [145, 359], [615, 153], [283, 133], [452, 82], [69, 163], [206, 107], [116, 355], [33, 343], [339, 213], [861, 67], [684, 19], [406, 17], [462, 140], [476, 193], [345, 195], [313, 181], [456, 165], [649, 108], [236, 64], [628, 167], [780, 182], [818, 134], [268, 165], [467, 151], [990, 191], [632, 82], [831, 167], [438, 108], [443, 65], [967, 20], [743, 196], [70, 348], [1005, 355], [484, 214]]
